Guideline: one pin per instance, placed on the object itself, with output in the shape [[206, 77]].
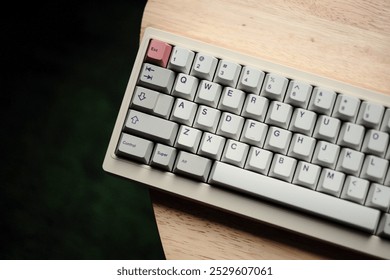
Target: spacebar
[[297, 197]]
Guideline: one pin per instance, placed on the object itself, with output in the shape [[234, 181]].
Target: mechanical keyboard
[[258, 139]]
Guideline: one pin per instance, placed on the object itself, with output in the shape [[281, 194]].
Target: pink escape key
[[158, 53]]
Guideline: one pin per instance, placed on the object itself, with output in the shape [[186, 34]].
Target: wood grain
[[192, 231], [347, 40]]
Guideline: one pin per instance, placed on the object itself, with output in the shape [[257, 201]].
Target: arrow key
[[355, 189]]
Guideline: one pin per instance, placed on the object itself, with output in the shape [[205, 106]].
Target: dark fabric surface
[[65, 68]]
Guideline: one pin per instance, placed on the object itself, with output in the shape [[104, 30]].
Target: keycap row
[[276, 140], [369, 219], [252, 158], [262, 113], [270, 85]]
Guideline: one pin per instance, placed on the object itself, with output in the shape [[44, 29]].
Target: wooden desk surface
[[348, 40]]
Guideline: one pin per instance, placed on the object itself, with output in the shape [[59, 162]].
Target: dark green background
[[65, 66]]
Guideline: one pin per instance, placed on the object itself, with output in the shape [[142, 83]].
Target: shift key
[[157, 78], [151, 127]]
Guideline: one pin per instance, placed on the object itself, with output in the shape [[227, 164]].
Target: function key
[[158, 53]]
